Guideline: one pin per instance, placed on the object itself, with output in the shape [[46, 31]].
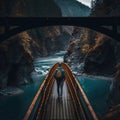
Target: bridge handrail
[[87, 101], [31, 107], [81, 91], [80, 109], [48, 83]]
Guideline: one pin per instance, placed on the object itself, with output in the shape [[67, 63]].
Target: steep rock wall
[[94, 42]]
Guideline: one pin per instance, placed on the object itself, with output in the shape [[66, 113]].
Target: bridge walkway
[[73, 105], [60, 108]]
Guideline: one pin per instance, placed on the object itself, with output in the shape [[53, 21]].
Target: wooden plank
[[48, 111], [55, 108], [52, 108], [63, 114], [64, 110], [60, 107]]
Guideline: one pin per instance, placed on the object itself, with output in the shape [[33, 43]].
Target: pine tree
[[93, 3]]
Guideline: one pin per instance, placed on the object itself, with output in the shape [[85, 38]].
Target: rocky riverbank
[[95, 76], [11, 91]]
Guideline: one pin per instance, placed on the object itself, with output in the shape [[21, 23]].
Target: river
[[14, 107]]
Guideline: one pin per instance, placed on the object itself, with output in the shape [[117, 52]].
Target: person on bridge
[[59, 75]]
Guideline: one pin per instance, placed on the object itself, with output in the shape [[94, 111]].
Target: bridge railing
[[83, 108], [82, 105], [37, 107]]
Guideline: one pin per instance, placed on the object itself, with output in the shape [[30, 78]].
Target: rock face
[[42, 8], [98, 53], [117, 76], [73, 8], [99, 60], [17, 53], [113, 114], [51, 39], [31, 8], [16, 61], [106, 8]]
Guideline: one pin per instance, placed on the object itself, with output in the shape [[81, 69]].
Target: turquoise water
[[15, 107], [97, 91]]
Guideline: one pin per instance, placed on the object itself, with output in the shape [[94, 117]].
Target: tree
[[93, 3]]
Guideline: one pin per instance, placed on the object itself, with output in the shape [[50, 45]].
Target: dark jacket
[[62, 77]]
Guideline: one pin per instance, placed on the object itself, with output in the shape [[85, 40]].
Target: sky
[[86, 2]]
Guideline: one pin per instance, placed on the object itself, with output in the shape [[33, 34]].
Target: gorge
[[87, 52]]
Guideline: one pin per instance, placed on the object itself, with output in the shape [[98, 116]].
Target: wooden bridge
[[73, 105]]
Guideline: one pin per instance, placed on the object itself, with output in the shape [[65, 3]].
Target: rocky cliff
[[17, 53], [106, 8], [97, 54], [94, 48], [16, 61], [73, 8], [31, 8], [98, 60]]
